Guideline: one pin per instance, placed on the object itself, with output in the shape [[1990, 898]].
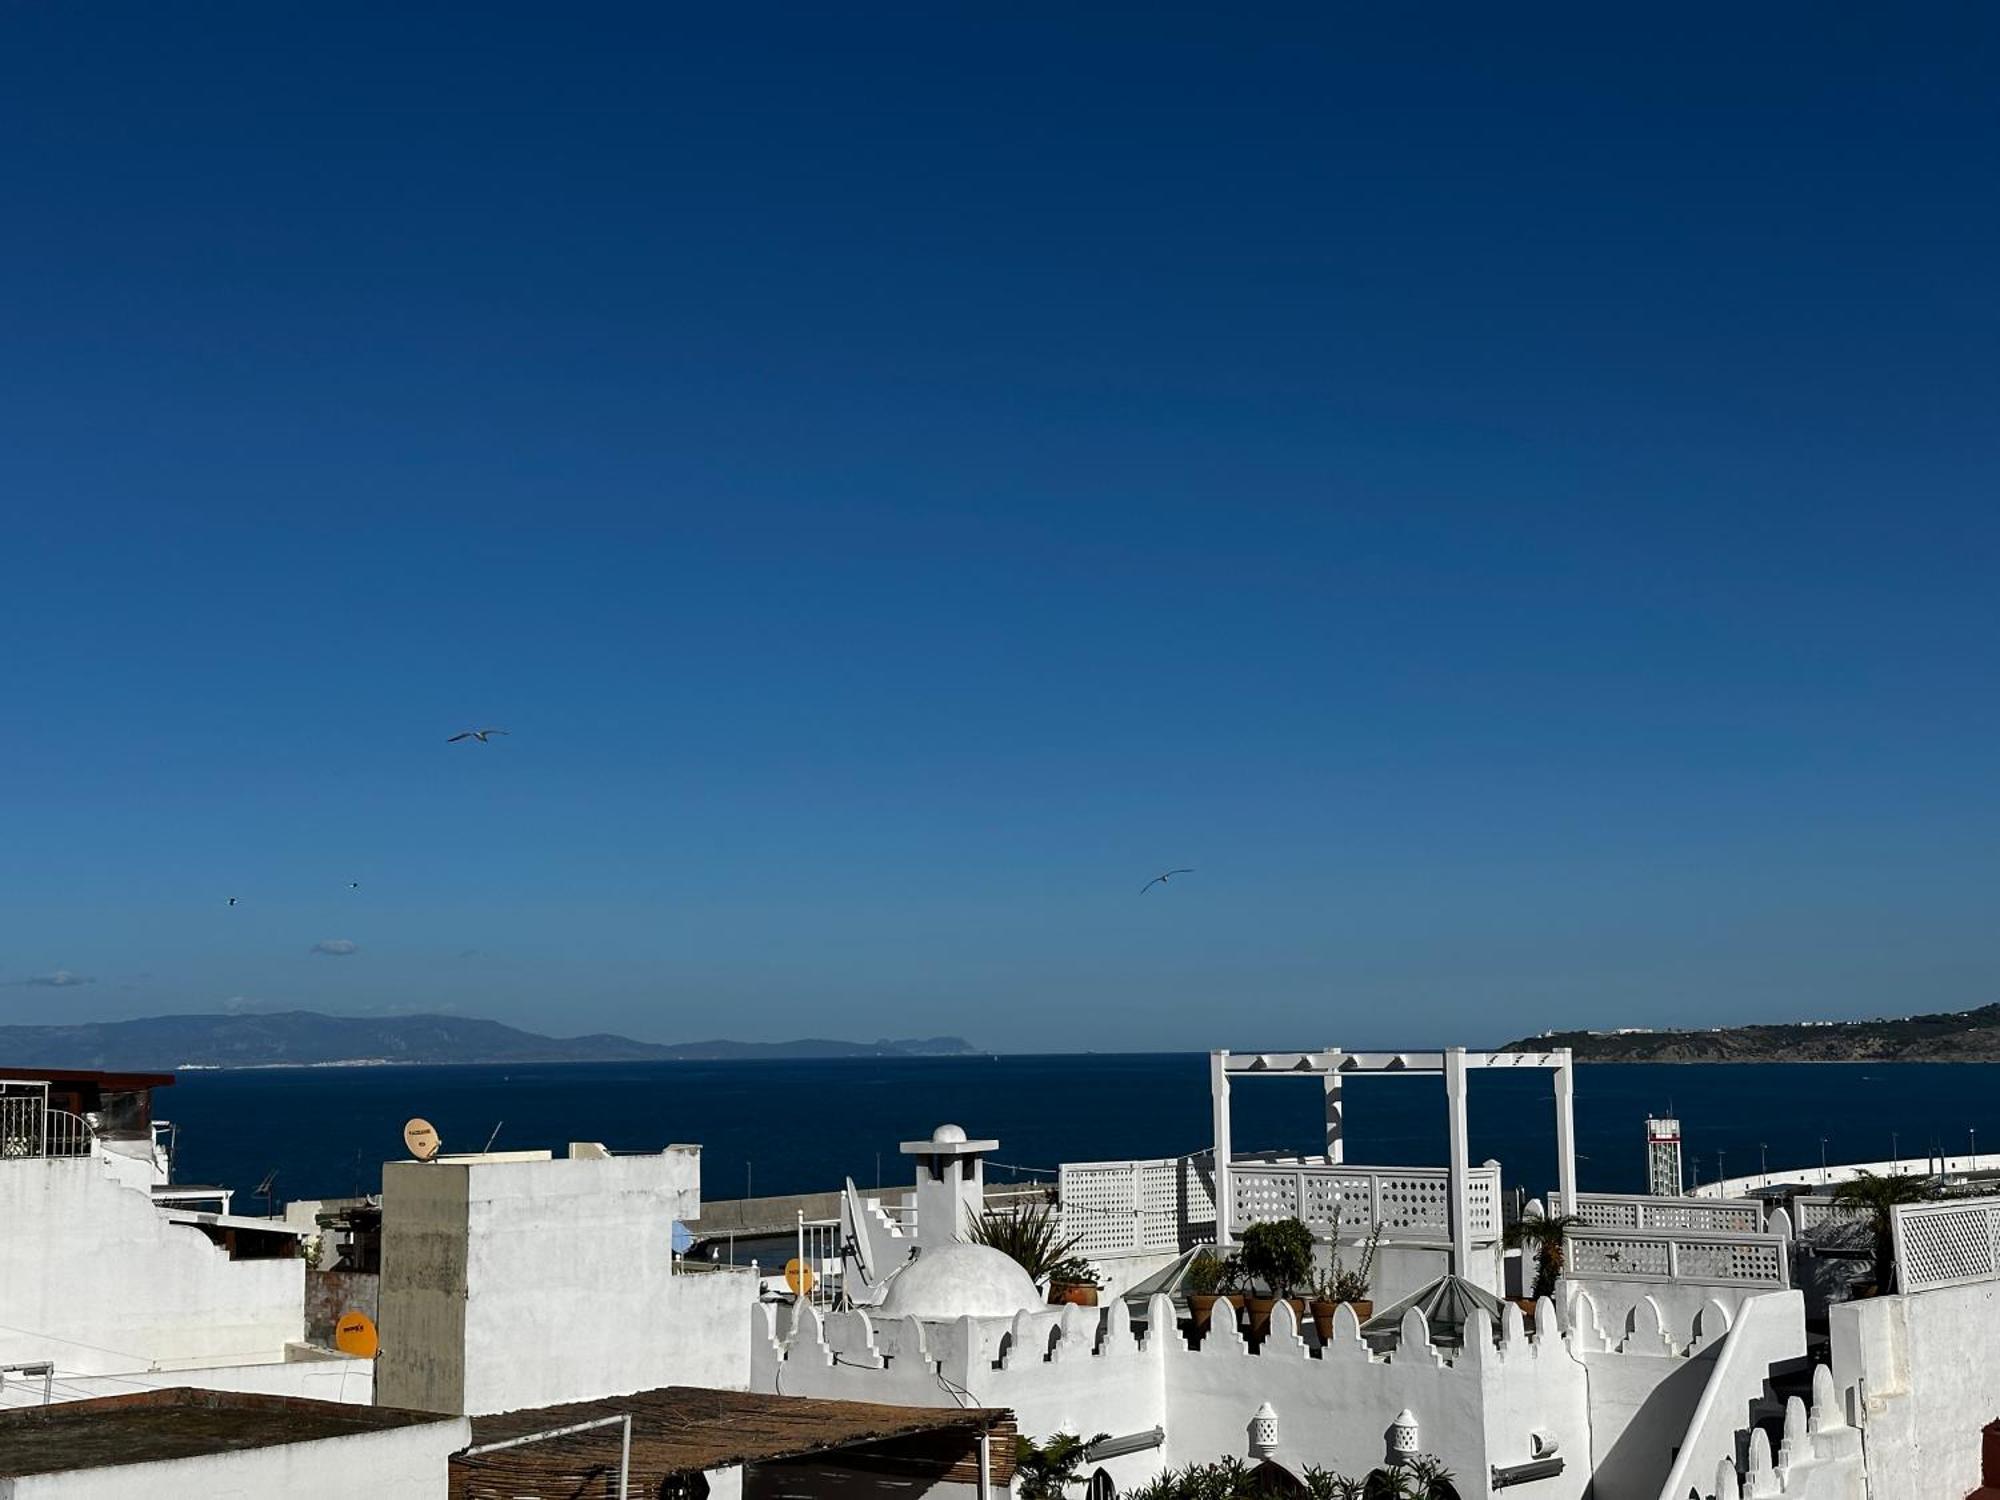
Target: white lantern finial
[[1264, 1432], [1403, 1437]]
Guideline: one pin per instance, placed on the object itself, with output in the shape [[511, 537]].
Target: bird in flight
[[354, 885], [232, 900], [473, 734], [1163, 879]]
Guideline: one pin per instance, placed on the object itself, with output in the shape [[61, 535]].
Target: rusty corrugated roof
[[682, 1430]]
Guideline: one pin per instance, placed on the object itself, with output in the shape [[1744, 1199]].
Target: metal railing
[[814, 1273], [1411, 1203], [30, 1130], [1641, 1211], [1699, 1257]]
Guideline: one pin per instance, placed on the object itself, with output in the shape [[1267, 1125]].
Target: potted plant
[[1030, 1237], [1073, 1280], [1876, 1197], [1344, 1283], [1203, 1282], [1278, 1254], [1545, 1235]]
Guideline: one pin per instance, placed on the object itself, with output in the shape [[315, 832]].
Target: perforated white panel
[[1947, 1244]]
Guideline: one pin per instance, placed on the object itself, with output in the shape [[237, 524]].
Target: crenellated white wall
[[1082, 1370]]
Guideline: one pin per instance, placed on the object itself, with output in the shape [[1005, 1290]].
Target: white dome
[[948, 1135], [957, 1281]]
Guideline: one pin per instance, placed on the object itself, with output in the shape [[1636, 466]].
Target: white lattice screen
[[1134, 1207], [1946, 1244]]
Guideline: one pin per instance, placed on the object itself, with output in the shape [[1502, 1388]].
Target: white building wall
[[1920, 1370], [93, 1278], [526, 1283], [406, 1463]]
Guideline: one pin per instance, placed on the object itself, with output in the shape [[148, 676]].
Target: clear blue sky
[[1509, 496]]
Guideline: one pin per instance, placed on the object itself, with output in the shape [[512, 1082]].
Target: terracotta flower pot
[[1201, 1307], [1323, 1310], [1068, 1292], [1260, 1315]]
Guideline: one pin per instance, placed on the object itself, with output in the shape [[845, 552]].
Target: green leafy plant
[[1044, 1470], [1232, 1276], [1344, 1283], [1876, 1198], [1030, 1237], [1545, 1235], [1422, 1478], [1203, 1277], [1278, 1253], [1075, 1271]]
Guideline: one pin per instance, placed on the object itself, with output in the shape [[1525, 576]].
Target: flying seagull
[[473, 734], [1163, 879], [232, 900], [354, 885]]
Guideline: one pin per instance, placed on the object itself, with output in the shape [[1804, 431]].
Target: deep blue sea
[[784, 1127]]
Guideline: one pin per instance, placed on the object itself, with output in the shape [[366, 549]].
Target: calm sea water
[[784, 1127]]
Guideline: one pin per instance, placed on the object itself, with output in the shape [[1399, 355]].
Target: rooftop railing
[[1640, 1211], [1339, 1200], [1951, 1243], [30, 1130], [1702, 1257]]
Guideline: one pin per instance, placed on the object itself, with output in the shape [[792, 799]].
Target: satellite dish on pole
[[799, 1277], [355, 1334], [420, 1138]]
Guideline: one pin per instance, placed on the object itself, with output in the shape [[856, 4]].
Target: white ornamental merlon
[[808, 1337], [1710, 1324], [1282, 1340], [1163, 1330], [1413, 1339], [1645, 1330], [1223, 1337], [1796, 1446], [1114, 1330], [1545, 1318], [851, 1338], [1513, 1326], [1580, 1322], [1346, 1342], [1759, 1478]]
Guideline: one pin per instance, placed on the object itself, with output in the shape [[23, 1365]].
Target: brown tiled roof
[[680, 1430], [153, 1426]]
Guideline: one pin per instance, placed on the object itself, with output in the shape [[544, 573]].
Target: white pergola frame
[[1336, 1066]]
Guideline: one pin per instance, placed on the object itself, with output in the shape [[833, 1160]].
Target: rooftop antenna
[[492, 1138], [420, 1139], [263, 1190]]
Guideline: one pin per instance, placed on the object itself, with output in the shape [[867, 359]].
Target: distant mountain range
[[1954, 1036], [304, 1037]]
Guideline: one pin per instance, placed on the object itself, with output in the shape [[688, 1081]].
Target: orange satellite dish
[[420, 1138], [799, 1276], [355, 1334]]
